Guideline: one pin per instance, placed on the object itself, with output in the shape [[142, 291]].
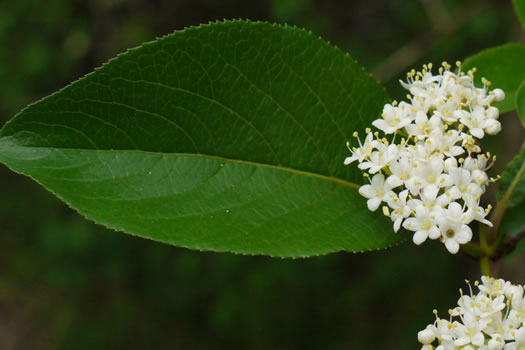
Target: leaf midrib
[[200, 155]]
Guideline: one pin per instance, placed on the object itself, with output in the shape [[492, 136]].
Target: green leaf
[[503, 66], [225, 137], [514, 220], [520, 102], [512, 186], [519, 6]]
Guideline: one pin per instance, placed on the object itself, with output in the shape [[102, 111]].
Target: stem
[[518, 236], [483, 242], [473, 250], [484, 264], [484, 261]]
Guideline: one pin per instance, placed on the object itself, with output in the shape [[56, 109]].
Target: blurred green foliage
[[66, 283]]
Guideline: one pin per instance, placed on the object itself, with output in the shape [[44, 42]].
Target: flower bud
[[492, 127], [426, 336], [499, 95], [492, 113]]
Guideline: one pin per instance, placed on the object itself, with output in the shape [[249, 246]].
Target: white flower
[[364, 150], [480, 177], [474, 120], [401, 209], [471, 331], [380, 158], [462, 184], [469, 143], [488, 320], [401, 170], [378, 191], [496, 343], [445, 142], [494, 287], [424, 125], [453, 227], [476, 212], [394, 118], [478, 163], [430, 172], [424, 224], [519, 343]]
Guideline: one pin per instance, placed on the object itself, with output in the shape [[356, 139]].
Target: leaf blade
[[250, 95], [234, 193], [513, 180], [520, 102], [502, 65]]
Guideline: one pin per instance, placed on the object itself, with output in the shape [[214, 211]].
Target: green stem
[[484, 260], [484, 264], [473, 250], [483, 241]]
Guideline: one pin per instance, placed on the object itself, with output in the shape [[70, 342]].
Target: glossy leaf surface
[[226, 137], [503, 67], [520, 103], [513, 180]]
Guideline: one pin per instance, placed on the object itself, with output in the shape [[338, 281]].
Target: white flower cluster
[[432, 179], [493, 319]]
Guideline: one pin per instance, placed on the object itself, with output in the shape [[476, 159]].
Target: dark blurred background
[[66, 283]]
